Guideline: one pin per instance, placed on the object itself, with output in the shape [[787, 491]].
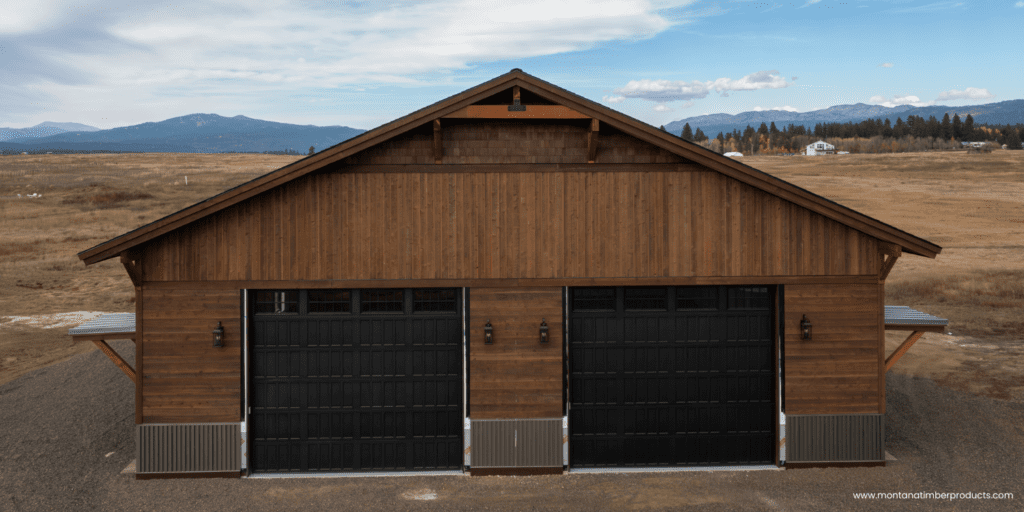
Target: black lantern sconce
[[543, 331], [218, 336], [805, 328], [488, 334]]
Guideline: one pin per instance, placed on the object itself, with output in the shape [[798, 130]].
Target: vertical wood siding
[[836, 371], [187, 380], [336, 225]]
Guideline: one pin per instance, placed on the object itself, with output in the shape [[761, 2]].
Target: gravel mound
[[61, 423]]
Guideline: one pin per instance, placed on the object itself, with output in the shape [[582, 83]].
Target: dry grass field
[[970, 204]]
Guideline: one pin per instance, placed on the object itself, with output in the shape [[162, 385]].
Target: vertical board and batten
[[186, 379], [501, 225], [836, 371], [517, 376]]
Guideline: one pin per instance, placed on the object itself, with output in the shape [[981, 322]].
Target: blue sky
[[362, 64]]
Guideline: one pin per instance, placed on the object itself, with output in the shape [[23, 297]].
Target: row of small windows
[[424, 300], [686, 298]]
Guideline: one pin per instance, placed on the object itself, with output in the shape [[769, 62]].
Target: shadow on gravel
[[61, 422]]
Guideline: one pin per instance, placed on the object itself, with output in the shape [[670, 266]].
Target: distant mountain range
[[1004, 112], [43, 130], [194, 133]]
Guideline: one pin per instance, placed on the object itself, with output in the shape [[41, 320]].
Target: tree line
[[867, 136]]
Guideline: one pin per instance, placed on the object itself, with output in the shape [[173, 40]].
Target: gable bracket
[[887, 254], [133, 265]]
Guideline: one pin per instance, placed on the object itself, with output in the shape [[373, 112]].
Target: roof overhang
[[458, 106]]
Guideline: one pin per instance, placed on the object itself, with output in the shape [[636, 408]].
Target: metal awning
[[903, 318], [113, 326], [113, 323]]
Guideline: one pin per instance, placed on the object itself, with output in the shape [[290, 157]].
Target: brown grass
[[970, 204]]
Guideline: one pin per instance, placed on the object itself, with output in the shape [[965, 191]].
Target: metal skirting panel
[[759, 467], [835, 437], [516, 443], [188, 447]]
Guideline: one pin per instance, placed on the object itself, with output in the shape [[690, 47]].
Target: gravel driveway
[[67, 432]]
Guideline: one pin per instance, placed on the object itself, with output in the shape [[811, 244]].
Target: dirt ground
[[970, 204], [69, 432]]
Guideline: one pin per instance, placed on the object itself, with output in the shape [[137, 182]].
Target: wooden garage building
[[513, 279]]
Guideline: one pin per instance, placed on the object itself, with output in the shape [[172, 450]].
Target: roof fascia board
[[551, 92], [290, 172], [758, 179]]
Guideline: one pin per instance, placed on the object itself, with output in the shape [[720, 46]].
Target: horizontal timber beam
[[509, 283], [517, 168], [924, 328], [502, 112]]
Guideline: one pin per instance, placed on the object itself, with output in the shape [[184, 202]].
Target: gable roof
[[516, 77]]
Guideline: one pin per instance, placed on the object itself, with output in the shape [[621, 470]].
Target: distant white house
[[973, 144], [733, 154], [820, 148]]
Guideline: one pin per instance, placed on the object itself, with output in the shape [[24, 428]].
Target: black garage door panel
[[671, 376], [357, 390]]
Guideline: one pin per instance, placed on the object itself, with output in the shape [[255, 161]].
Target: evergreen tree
[[1012, 138], [887, 129], [947, 127], [763, 129], [772, 129], [969, 128], [312, 150], [958, 127], [721, 142], [687, 132], [699, 136]]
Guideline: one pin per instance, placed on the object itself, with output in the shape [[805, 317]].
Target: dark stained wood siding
[[501, 225], [516, 376], [511, 142], [186, 379], [837, 370]]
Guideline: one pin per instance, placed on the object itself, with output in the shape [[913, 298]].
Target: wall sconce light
[[543, 331], [218, 336], [805, 328], [488, 334]]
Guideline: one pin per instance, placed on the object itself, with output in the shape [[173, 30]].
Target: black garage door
[[356, 380], [671, 376]]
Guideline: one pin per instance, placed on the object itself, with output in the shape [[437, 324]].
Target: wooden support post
[[121, 363], [438, 148], [592, 141], [902, 349], [893, 252]]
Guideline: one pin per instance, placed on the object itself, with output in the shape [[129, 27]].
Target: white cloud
[[233, 53], [899, 100], [661, 107], [970, 93], [666, 90], [786, 108], [810, 2], [1019, 4], [885, 65], [613, 99]]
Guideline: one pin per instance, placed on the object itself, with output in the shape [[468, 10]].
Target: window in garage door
[[356, 380], [671, 376]]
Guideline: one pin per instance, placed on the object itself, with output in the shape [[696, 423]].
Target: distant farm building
[[733, 154], [820, 148]]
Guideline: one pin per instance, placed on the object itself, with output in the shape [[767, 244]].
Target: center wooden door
[[517, 376]]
